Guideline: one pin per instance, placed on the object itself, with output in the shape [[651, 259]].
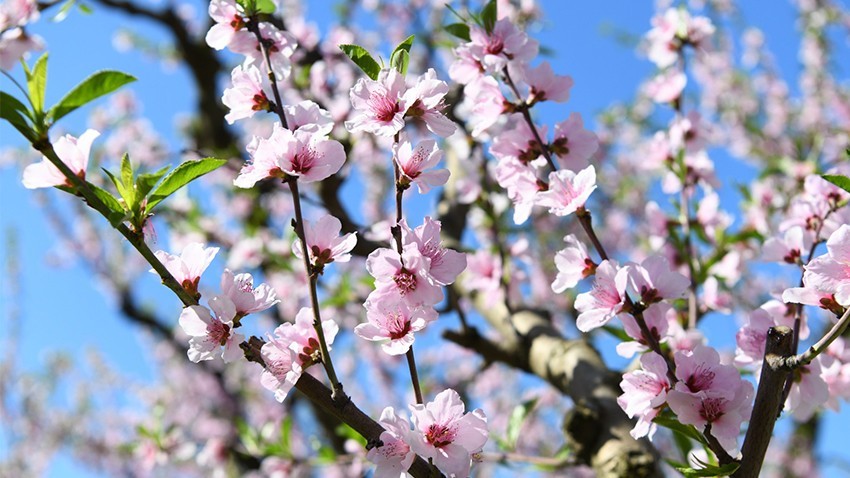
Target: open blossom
[[831, 271], [74, 152], [394, 456], [808, 392], [301, 336], [308, 115], [444, 433], [229, 20], [545, 85], [393, 322], [710, 393], [521, 184], [605, 300], [653, 280], [483, 272], [445, 264], [573, 263], [189, 265], [245, 95], [380, 105], [568, 191], [324, 242], [673, 30], [486, 102], [15, 44], [281, 45], [504, 45], [409, 278], [644, 392], [247, 299], [309, 156], [425, 100], [657, 317], [282, 368], [573, 145], [666, 86], [414, 163], [789, 249], [209, 333]]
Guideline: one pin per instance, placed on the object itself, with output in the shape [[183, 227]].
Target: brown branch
[[768, 403]]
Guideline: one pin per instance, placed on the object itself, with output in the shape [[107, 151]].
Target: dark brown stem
[[523, 108], [768, 403], [414, 376]]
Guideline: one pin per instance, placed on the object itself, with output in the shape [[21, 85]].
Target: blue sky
[[64, 309]]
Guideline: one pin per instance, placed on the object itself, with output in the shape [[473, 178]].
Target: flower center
[[405, 281], [218, 331], [440, 435], [397, 325], [304, 160], [495, 45], [712, 409], [700, 380], [383, 107]]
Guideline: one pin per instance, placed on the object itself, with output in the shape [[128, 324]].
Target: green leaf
[[37, 82], [841, 181], [129, 185], [119, 185], [668, 420], [93, 87], [363, 59], [115, 213], [17, 114], [518, 416], [179, 177], [401, 55], [689, 472], [146, 182], [617, 332], [345, 430], [265, 6], [489, 15], [63, 11], [460, 30]]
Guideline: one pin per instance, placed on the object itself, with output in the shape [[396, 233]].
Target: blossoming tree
[[306, 269]]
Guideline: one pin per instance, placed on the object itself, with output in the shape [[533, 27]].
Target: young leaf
[[119, 185], [115, 214], [518, 416], [841, 181], [265, 6], [401, 55], [460, 30], [489, 15], [146, 182], [179, 177], [93, 87], [128, 182], [725, 470], [37, 82], [17, 114], [669, 421], [363, 59]]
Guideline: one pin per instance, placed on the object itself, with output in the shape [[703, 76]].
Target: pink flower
[[406, 275], [246, 298], [301, 336], [521, 184], [228, 20], [394, 456], [701, 371], [189, 265], [445, 264], [15, 44], [380, 104], [808, 391], [573, 263], [74, 152], [789, 248], [282, 368], [392, 322], [413, 163], [568, 191], [605, 300], [751, 338], [831, 272], [483, 272], [308, 115], [504, 44], [246, 96], [444, 433], [281, 45], [657, 317], [666, 86], [210, 333], [725, 412], [310, 156], [425, 99], [545, 85], [324, 242], [17, 13], [653, 280], [573, 145], [644, 392], [487, 104]]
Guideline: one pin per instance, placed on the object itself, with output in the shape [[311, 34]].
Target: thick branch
[[768, 401]]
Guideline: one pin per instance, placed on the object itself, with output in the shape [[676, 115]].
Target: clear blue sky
[[63, 308]]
